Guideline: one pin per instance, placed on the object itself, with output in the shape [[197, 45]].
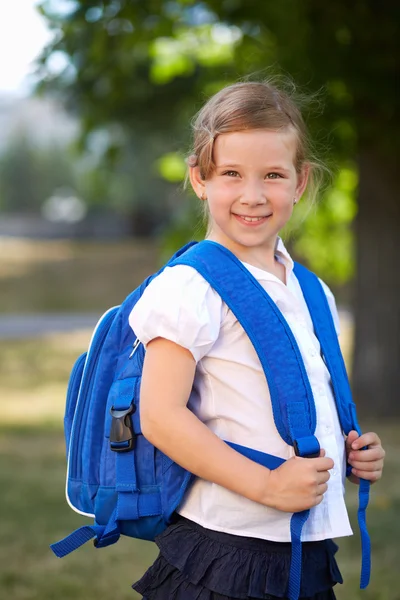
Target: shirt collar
[[284, 258]]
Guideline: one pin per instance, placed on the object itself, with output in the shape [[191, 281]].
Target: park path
[[34, 325]]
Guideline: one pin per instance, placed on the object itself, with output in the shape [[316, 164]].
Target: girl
[[202, 381]]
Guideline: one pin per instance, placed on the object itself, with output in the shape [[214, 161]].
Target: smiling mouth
[[251, 219]]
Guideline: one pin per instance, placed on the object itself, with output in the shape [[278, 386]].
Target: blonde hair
[[253, 105]]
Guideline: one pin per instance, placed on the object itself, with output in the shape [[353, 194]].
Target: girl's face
[[253, 188]]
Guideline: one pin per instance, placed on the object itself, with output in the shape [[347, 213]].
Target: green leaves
[[172, 167], [149, 65], [323, 234], [209, 45]]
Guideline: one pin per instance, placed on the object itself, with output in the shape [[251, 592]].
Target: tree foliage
[[145, 64], [29, 174], [143, 69]]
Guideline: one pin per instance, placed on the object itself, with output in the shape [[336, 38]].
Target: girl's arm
[[167, 380]]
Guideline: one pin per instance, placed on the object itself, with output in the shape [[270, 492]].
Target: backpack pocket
[[82, 479], [72, 397], [125, 390]]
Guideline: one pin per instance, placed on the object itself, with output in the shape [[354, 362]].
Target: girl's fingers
[[367, 466], [353, 435], [323, 477], [367, 439], [368, 475], [367, 455]]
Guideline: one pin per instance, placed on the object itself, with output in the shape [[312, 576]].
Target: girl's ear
[[197, 181], [302, 179]]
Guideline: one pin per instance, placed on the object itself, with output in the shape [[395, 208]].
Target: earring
[[203, 196], [294, 201]]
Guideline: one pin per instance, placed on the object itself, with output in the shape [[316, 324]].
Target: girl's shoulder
[[181, 306], [182, 286]]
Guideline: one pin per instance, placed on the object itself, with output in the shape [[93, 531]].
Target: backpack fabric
[[129, 487]]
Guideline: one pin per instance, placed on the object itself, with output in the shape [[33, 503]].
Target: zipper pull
[[135, 347]]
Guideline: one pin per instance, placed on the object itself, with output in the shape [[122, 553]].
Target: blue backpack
[[128, 486]]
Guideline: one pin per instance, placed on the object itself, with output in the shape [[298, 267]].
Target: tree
[[148, 65], [29, 173]]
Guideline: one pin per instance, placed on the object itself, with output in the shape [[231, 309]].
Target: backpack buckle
[[122, 436]]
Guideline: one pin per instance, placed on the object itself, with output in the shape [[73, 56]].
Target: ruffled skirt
[[201, 564]]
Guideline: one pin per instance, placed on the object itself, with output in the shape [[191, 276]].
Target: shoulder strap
[[324, 326], [291, 395]]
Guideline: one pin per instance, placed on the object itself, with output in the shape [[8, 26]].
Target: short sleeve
[[332, 305], [180, 306]]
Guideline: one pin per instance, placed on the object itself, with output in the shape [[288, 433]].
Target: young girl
[[203, 383]]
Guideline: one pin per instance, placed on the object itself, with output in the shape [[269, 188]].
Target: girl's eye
[[268, 176]]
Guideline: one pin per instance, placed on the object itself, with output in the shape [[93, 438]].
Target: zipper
[[135, 347]]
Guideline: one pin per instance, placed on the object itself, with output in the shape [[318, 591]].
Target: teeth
[[252, 219]]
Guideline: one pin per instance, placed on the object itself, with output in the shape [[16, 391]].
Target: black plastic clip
[[122, 436], [297, 451]]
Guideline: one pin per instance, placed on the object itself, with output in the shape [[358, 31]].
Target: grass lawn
[[66, 275], [34, 513]]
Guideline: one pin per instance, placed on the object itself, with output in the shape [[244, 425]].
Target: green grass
[[383, 525], [34, 513], [33, 377], [48, 275]]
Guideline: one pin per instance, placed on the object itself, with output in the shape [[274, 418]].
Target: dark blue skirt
[[201, 564]]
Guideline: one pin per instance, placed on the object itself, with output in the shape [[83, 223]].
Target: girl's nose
[[252, 195]]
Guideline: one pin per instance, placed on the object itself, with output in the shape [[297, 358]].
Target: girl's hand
[[298, 484], [366, 464]]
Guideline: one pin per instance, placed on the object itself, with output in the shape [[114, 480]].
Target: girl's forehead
[[262, 143]]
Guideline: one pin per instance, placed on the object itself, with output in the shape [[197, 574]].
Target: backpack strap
[[292, 399], [324, 326], [325, 331]]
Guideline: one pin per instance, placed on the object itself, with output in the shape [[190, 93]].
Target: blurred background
[[95, 106]]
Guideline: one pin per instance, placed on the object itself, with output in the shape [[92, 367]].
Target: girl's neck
[[274, 267], [261, 257]]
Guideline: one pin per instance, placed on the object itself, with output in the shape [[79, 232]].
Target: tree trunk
[[376, 371]]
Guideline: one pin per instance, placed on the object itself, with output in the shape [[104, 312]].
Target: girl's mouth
[[250, 221]]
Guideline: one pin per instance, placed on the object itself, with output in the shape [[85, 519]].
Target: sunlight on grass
[[68, 275], [45, 405], [32, 474], [34, 375], [18, 254]]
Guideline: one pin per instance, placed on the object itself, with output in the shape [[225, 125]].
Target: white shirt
[[230, 394]]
